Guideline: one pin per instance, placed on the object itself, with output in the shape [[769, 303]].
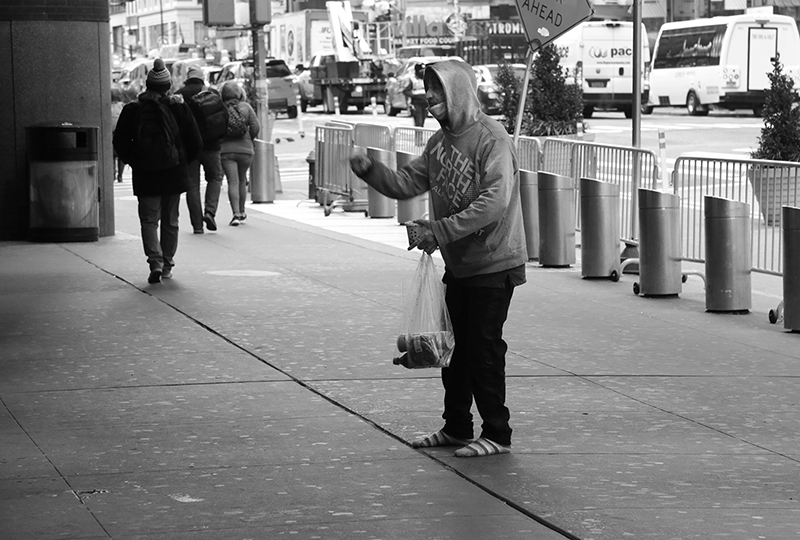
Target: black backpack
[[156, 137], [211, 114]]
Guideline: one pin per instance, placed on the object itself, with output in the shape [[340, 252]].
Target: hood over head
[[463, 106], [232, 90]]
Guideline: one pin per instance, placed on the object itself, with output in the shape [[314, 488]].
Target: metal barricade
[[333, 175], [557, 156], [529, 154], [764, 185], [373, 136], [629, 168], [411, 139]]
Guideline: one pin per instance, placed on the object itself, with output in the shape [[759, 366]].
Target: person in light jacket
[[237, 152], [470, 169]]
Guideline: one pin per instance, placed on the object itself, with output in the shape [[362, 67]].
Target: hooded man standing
[[470, 168], [157, 136], [209, 158]]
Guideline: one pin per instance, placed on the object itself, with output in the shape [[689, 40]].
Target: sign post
[[543, 23]]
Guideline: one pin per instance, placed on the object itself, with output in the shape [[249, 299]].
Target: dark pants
[[163, 210], [419, 112], [477, 368], [212, 167]]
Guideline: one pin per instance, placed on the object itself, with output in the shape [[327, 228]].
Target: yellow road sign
[[545, 20]]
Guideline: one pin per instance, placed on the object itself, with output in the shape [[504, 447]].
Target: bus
[[722, 62]]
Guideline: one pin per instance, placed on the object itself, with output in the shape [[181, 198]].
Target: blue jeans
[[235, 166], [163, 209], [212, 167], [477, 368]]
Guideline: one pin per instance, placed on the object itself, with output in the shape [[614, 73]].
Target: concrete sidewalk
[[253, 396]]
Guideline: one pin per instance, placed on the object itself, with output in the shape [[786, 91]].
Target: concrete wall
[[55, 62]]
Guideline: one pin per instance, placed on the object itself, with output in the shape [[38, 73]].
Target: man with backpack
[[212, 119], [157, 136]]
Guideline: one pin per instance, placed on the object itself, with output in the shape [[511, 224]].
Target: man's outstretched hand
[[360, 164]]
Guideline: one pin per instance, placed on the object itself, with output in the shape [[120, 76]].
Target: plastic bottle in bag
[[430, 349]]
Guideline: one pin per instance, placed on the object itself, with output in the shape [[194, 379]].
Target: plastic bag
[[426, 335]]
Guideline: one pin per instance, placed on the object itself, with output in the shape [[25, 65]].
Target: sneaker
[[166, 273], [243, 217], [211, 225], [198, 231], [235, 221], [155, 276]]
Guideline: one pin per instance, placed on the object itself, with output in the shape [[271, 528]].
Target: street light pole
[[161, 28]]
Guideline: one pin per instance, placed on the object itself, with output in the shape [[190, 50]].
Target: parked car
[[490, 94], [282, 86], [132, 79], [395, 99]]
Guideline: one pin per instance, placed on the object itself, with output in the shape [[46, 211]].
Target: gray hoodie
[[470, 168]]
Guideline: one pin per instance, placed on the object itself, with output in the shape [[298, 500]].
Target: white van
[[722, 62], [601, 54]]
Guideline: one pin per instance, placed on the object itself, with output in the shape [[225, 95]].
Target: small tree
[[511, 86], [780, 136], [552, 107]]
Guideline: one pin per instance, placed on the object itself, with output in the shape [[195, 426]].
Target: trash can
[[790, 223], [600, 252], [379, 205], [62, 169], [311, 159], [529, 198], [728, 256], [415, 207], [556, 220], [659, 244], [262, 172]]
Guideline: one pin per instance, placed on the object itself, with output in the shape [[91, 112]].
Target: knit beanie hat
[[158, 78], [195, 72]]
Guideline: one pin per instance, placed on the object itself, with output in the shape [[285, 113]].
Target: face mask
[[439, 111]]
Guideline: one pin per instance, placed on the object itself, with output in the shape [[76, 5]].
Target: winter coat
[[172, 181], [232, 93], [191, 88]]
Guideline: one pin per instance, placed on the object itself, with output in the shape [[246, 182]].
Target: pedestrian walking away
[[212, 120], [237, 147], [415, 96], [470, 168], [157, 136]]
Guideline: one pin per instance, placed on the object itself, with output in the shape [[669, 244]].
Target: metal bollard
[[659, 244], [556, 220], [728, 256], [379, 205], [790, 223], [416, 207], [599, 229], [529, 198], [262, 172]]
